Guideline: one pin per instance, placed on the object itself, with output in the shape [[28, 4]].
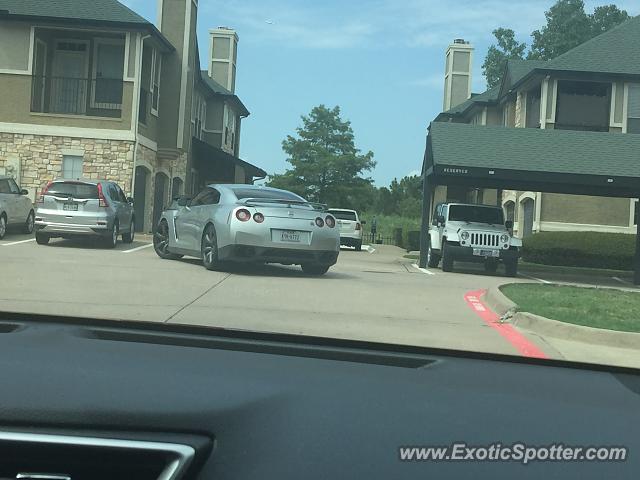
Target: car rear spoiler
[[283, 203]]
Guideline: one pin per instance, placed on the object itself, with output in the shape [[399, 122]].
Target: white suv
[[16, 207], [472, 233], [350, 227]]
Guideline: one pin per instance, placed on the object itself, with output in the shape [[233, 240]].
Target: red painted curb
[[519, 341]]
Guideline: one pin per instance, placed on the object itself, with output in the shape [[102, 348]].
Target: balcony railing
[[77, 96]]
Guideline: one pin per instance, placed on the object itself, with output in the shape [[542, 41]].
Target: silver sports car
[[247, 223]]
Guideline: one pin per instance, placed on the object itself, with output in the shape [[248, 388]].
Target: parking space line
[[423, 270], [546, 282], [369, 248], [618, 279], [18, 242], [138, 248]]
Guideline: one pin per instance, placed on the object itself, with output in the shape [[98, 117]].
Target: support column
[[427, 192], [636, 258]]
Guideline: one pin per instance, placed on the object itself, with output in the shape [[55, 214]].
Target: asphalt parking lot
[[375, 295]]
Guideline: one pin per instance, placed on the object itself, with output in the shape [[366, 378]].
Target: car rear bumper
[[68, 229], [250, 253], [350, 241], [466, 254]]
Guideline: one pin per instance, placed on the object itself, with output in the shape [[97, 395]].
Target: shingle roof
[[97, 10], [218, 89], [531, 149], [614, 51], [518, 69]]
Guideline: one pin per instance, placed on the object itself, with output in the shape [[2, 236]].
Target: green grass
[[387, 223], [600, 272], [591, 307]]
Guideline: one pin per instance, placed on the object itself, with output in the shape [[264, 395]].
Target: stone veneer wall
[[35, 159]]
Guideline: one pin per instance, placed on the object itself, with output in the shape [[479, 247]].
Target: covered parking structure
[[528, 159]]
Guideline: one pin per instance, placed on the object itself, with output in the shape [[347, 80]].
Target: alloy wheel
[[209, 248], [161, 239], [3, 226]]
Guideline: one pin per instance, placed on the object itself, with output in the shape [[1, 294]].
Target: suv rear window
[[344, 215], [73, 189], [478, 214], [241, 193]]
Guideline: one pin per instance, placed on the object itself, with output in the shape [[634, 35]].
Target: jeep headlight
[[504, 238], [464, 236]]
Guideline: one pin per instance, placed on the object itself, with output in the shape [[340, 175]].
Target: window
[[13, 186], [123, 197], [156, 66], [73, 189], [533, 108], [344, 215], [4, 186], [71, 166], [583, 106], [633, 109], [208, 196], [635, 212], [478, 214], [113, 193]]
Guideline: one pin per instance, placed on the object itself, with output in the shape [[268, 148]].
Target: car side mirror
[[508, 224], [183, 201], [24, 192], [130, 200], [440, 219]]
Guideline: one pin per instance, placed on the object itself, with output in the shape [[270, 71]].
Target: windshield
[[410, 163], [344, 215], [73, 189], [470, 213]]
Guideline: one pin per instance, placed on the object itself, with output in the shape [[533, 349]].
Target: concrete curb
[[500, 304]]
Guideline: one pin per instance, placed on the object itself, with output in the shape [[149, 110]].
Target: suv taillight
[[43, 192], [102, 202], [358, 226]]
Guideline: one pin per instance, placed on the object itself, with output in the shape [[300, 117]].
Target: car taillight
[[243, 215], [330, 221], [358, 226], [258, 217], [102, 202], [319, 222], [45, 189]]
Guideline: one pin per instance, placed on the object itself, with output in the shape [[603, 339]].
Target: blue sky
[[381, 61]]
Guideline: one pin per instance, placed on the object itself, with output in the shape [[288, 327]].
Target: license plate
[[290, 236], [72, 207], [486, 253]]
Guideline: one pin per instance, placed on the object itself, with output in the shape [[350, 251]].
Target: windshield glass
[[384, 143], [470, 213], [343, 214], [73, 189]]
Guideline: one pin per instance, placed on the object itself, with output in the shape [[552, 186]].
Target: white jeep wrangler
[[472, 233]]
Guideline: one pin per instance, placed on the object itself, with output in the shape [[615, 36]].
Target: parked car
[[472, 233], [84, 208], [247, 223], [16, 208], [350, 227]]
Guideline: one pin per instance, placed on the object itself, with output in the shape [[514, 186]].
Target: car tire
[[42, 238], [511, 268], [447, 259], [209, 248], [313, 269], [128, 237], [29, 224], [161, 242], [112, 239], [490, 266], [433, 259], [358, 247], [3, 226]]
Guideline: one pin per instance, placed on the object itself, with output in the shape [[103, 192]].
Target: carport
[[528, 159]]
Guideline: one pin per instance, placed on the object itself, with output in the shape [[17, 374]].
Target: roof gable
[[96, 10]]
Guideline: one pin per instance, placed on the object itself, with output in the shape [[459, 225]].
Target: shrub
[[581, 249]]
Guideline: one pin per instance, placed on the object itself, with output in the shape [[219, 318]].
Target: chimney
[[457, 74], [223, 52]]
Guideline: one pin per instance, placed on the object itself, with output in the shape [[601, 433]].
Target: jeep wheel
[[447, 259], [511, 268], [432, 258]]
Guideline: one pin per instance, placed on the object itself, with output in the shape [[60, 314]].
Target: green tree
[[326, 166], [507, 48], [567, 26]]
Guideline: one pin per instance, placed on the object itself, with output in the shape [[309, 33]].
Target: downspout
[[136, 108]]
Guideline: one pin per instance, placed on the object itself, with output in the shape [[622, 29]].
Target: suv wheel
[[112, 239], [447, 260], [511, 268], [42, 238], [359, 246], [312, 269], [128, 237], [3, 226], [30, 223]]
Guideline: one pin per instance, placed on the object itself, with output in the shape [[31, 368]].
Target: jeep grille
[[485, 240]]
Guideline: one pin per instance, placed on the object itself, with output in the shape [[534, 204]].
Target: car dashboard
[[90, 399]]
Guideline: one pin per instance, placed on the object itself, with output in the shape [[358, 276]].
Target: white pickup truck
[[472, 233]]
